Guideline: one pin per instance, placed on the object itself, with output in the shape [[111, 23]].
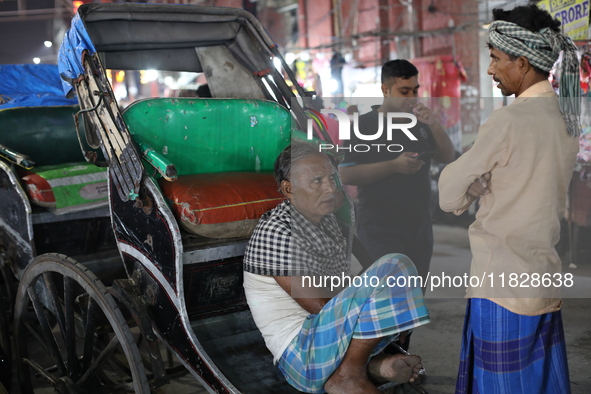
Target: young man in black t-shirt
[[394, 189]]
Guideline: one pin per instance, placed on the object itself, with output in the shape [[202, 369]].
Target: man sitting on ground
[[322, 343]]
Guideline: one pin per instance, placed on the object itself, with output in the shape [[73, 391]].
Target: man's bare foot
[[362, 385], [395, 367]]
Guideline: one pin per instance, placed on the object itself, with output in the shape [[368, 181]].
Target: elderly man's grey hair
[[298, 150]]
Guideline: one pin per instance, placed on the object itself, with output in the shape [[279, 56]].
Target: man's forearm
[[453, 190], [310, 298], [459, 206]]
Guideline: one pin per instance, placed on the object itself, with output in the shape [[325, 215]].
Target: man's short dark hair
[[398, 68], [298, 150], [530, 17]]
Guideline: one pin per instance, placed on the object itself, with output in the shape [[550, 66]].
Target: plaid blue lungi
[[506, 353], [379, 311]]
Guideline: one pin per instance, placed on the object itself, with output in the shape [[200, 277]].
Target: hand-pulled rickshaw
[[38, 147], [154, 263]]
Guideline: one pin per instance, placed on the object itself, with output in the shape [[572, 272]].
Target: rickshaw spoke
[[41, 371], [58, 312], [37, 336], [46, 330], [70, 329], [88, 336], [99, 360]]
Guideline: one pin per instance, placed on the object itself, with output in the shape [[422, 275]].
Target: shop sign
[[573, 14]]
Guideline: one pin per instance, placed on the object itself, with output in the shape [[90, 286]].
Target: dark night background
[[22, 37]]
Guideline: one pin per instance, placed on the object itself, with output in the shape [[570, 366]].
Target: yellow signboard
[[573, 14]]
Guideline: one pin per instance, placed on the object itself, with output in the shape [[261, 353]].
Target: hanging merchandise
[[585, 139], [585, 148], [304, 74], [585, 72], [584, 156], [580, 189], [300, 71]]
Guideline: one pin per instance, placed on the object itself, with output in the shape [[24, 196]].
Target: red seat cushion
[[221, 205], [39, 190]]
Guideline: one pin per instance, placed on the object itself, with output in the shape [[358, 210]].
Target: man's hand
[[443, 146], [424, 114], [407, 164], [480, 187]]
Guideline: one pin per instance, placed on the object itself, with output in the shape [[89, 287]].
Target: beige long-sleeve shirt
[[526, 149]]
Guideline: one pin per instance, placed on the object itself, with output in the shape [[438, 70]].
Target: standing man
[[520, 165], [394, 189]]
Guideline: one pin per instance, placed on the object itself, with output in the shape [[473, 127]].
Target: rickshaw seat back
[[60, 179], [45, 134], [208, 135]]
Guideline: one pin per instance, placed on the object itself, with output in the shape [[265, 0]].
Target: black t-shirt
[[398, 201]]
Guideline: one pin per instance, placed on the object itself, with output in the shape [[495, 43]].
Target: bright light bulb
[[148, 76], [48, 44], [152, 75], [277, 63], [36, 60]]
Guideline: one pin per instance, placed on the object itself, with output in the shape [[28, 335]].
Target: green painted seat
[[200, 135]]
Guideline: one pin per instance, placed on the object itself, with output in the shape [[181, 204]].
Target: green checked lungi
[[379, 311]]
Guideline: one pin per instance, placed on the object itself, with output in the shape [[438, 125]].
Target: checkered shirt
[[284, 243]]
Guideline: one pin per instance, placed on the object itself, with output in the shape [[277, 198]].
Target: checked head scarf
[[542, 49]]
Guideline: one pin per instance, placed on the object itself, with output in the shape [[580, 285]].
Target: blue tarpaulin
[[69, 59], [31, 85]]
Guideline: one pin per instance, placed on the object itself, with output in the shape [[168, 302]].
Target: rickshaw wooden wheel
[[70, 334], [7, 287], [5, 353], [6, 299]]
